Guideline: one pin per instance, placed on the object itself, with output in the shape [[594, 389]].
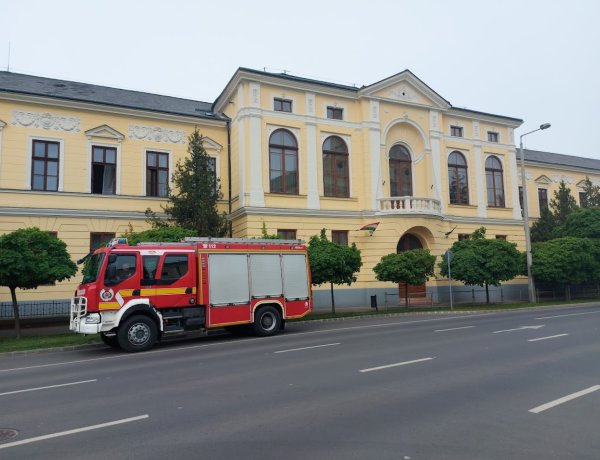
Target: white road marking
[[569, 314], [453, 329], [396, 364], [76, 430], [47, 387], [307, 348], [556, 402], [546, 338], [522, 328]]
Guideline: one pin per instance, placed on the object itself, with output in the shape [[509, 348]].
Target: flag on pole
[[370, 227]]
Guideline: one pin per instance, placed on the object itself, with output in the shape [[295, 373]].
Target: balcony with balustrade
[[410, 205]]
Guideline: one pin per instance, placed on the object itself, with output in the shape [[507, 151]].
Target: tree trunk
[[332, 301], [568, 293], [406, 295], [487, 294], [13, 295]]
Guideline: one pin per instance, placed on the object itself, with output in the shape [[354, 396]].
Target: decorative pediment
[[581, 183], [543, 179], [405, 87], [104, 132], [209, 144], [2, 125]]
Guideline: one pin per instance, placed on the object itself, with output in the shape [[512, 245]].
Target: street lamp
[[531, 285]]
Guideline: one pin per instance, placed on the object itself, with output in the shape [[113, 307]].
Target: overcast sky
[[529, 59]]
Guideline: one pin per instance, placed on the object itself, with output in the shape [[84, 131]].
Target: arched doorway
[[406, 243]]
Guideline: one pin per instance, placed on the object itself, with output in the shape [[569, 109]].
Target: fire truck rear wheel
[[267, 321], [137, 333]]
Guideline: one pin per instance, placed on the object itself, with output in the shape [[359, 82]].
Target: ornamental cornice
[[156, 134], [45, 120]]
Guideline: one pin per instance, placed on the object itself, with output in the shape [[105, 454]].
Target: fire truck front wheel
[[110, 340], [137, 333], [267, 321]]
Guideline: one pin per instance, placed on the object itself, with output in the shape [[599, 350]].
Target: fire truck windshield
[[92, 268]]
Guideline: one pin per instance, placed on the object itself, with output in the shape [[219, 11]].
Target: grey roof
[[535, 156], [84, 92]]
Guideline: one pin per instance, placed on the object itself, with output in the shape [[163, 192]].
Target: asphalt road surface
[[507, 385]]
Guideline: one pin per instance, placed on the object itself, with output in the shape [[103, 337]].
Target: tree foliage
[[563, 203], [479, 261], [410, 267], [30, 258], [566, 261], [160, 234], [584, 223], [332, 263], [592, 194], [552, 219], [193, 203]]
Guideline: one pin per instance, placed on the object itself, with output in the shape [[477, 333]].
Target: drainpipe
[[229, 224]]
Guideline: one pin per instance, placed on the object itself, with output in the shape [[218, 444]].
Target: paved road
[[518, 385]]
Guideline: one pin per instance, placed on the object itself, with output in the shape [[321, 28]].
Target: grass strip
[[46, 341]]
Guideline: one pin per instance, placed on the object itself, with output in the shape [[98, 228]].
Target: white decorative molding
[[310, 104], [2, 125], [157, 134], [105, 132], [543, 179], [475, 129], [45, 120], [374, 110], [210, 144], [567, 179]]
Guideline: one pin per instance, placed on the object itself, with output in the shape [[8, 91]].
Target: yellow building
[[85, 162]]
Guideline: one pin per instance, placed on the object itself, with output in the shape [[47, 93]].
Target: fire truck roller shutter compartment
[[228, 282], [265, 275], [295, 277]]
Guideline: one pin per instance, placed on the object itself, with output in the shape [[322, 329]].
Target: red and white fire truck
[[135, 295]]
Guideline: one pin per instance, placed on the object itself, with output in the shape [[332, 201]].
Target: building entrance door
[[406, 243]]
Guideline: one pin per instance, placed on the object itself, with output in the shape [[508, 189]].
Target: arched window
[[335, 168], [457, 179], [400, 171], [283, 162], [494, 181]]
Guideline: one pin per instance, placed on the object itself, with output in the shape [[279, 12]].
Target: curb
[[36, 351]]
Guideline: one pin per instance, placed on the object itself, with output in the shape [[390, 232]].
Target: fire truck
[[134, 296]]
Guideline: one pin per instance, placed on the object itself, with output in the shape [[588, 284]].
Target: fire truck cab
[[134, 296]]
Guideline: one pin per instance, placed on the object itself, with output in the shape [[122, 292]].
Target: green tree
[[410, 267], [479, 261], [193, 204], [332, 263], [29, 258], [545, 227], [592, 194], [160, 234], [584, 223], [563, 203], [566, 261]]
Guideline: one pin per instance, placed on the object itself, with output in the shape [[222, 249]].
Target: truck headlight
[[92, 318]]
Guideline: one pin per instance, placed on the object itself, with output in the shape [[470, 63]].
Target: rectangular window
[[492, 137], [501, 237], [44, 165], [282, 105], [286, 234], [157, 174], [456, 131], [335, 112], [583, 199], [104, 170], [521, 196], [98, 240], [174, 267], [340, 237], [463, 236], [543, 198]]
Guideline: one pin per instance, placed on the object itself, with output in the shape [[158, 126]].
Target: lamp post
[[530, 284]]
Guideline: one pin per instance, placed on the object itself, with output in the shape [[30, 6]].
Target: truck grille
[[78, 310]]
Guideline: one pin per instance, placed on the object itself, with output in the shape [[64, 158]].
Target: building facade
[[293, 155]]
